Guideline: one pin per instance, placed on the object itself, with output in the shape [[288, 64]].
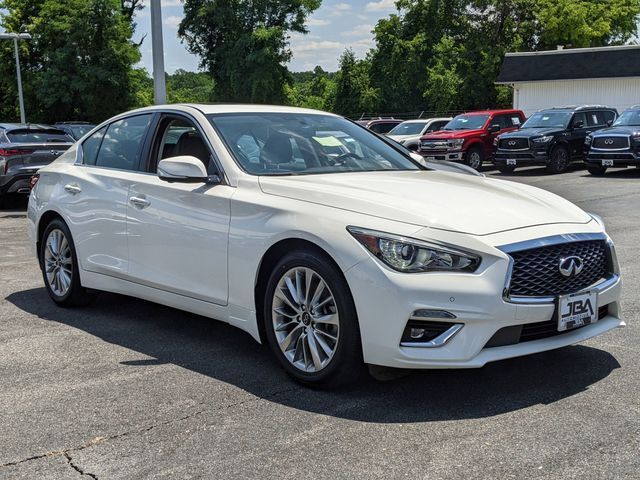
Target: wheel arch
[[267, 263], [45, 219]]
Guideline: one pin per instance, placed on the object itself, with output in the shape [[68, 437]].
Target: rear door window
[[91, 146], [122, 143]]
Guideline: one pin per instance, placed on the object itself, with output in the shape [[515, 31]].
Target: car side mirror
[[494, 128], [609, 123], [185, 169], [578, 124]]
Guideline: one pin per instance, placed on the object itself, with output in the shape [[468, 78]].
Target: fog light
[[417, 333]]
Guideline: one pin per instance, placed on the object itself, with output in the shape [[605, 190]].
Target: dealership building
[[592, 76]]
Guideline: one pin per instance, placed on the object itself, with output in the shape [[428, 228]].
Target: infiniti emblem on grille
[[570, 266], [512, 143], [609, 141]]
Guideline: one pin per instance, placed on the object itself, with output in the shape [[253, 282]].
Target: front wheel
[[559, 161], [59, 265], [475, 158], [311, 321], [596, 170]]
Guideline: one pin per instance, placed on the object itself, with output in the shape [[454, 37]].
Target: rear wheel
[[311, 321], [59, 265], [559, 161], [475, 158], [596, 170]]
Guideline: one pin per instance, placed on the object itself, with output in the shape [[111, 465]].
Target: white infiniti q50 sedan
[[321, 239]]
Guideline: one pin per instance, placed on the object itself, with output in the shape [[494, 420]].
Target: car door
[[94, 194], [178, 232], [577, 133]]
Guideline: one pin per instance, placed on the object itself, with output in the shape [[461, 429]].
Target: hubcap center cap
[[306, 318]]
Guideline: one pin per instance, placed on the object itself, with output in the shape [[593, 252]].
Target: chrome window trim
[[439, 341], [600, 285]]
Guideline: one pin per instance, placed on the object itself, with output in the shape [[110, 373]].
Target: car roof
[[26, 126], [577, 108], [426, 120], [491, 112]]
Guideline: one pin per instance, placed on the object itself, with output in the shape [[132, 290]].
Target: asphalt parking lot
[[129, 389]]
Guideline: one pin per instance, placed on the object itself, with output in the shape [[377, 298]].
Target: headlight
[[456, 143], [636, 139], [409, 255], [545, 139], [495, 141], [588, 140]]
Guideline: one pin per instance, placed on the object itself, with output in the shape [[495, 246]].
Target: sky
[[336, 25]]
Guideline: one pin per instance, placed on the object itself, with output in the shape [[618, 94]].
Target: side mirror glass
[[494, 128], [609, 123], [185, 169]]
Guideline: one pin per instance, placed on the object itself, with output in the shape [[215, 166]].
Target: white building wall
[[620, 93]]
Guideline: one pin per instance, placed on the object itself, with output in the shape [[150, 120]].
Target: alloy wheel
[[58, 263], [474, 160], [305, 319]]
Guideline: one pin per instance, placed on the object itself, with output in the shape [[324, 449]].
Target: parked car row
[[24, 148], [554, 138]]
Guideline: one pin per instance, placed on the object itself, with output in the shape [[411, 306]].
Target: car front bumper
[[529, 157], [446, 155], [385, 301], [619, 159]]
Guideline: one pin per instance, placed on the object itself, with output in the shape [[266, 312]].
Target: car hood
[[531, 132], [452, 134], [442, 200], [401, 138], [631, 131]]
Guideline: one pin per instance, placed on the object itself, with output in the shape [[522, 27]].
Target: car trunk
[[27, 157]]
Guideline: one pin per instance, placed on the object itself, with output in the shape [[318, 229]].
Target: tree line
[[431, 55]]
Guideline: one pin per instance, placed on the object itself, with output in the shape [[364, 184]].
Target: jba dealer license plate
[[511, 161], [576, 310], [607, 163]]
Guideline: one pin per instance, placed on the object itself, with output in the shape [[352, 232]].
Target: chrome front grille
[[611, 143], [536, 271]]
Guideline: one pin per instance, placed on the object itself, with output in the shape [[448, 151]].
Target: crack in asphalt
[[77, 468], [98, 440]]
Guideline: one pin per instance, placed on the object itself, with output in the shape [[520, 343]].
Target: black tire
[[346, 364], [506, 168], [474, 158], [75, 294], [559, 160], [596, 170]]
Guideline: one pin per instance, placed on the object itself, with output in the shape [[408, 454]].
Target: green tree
[[443, 77], [244, 45], [353, 92], [78, 64]]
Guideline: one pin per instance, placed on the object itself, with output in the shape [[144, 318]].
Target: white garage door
[[620, 93]]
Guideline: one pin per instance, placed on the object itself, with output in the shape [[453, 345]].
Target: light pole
[[15, 37], [157, 49]]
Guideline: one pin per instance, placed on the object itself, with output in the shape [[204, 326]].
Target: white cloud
[[339, 9], [381, 5], [171, 3], [359, 30], [172, 21], [313, 45], [317, 22]]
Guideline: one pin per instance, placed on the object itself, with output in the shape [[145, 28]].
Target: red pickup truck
[[469, 137]]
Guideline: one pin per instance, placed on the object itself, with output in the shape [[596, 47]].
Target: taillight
[[12, 152], [33, 180]]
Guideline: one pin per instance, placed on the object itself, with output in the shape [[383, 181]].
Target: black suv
[[618, 146], [553, 137]]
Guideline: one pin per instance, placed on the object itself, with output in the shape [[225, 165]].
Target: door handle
[[72, 188], [139, 202]]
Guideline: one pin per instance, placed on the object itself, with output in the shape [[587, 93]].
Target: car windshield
[[548, 119], [408, 128], [302, 143], [28, 135], [467, 122], [630, 118]]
